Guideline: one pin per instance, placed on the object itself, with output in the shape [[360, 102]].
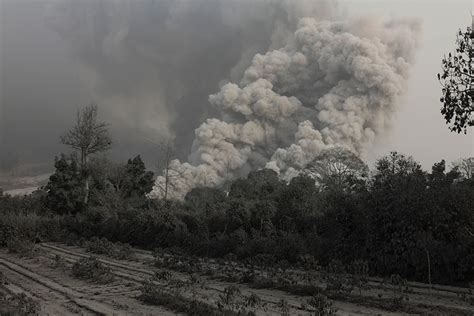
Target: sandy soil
[[61, 294]]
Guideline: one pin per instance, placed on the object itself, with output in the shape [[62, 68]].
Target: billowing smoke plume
[[331, 84], [150, 65]]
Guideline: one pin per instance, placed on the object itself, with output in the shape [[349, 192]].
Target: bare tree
[[88, 136], [465, 166], [169, 172]]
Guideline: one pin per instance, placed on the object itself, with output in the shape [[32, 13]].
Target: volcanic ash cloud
[[333, 84]]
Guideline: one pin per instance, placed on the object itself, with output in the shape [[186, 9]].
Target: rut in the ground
[[138, 271], [46, 289], [59, 294]]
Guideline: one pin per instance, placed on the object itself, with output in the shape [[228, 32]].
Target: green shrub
[[399, 288], [21, 246], [319, 305], [154, 294], [230, 299], [104, 246], [31, 226], [92, 269], [18, 304], [253, 301], [284, 307], [100, 246], [359, 275], [337, 279], [124, 252], [58, 262]]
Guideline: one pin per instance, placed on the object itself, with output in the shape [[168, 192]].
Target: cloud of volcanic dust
[[330, 83]]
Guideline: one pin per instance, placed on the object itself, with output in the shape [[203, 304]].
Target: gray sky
[[419, 129], [42, 77]]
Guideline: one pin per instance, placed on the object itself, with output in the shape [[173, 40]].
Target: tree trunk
[[86, 190], [166, 180], [85, 175], [429, 267]]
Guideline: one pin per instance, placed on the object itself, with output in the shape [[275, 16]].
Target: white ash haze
[[331, 84]]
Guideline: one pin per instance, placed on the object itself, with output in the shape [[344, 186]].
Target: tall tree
[[207, 201], [88, 136], [337, 169], [296, 203], [465, 166], [64, 194], [137, 181], [457, 80], [260, 184], [397, 208], [170, 173]]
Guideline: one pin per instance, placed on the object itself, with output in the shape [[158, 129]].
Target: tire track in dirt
[[377, 282], [426, 295], [213, 288], [270, 296], [440, 297], [119, 297], [124, 271], [46, 290], [102, 299]]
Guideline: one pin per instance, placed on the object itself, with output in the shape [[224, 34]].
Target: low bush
[[104, 246], [18, 304], [21, 246], [284, 307], [92, 269], [154, 294], [33, 227], [58, 262], [100, 246], [320, 305], [230, 299], [399, 288], [124, 252]]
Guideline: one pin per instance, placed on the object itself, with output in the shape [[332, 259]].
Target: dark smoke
[[39, 87], [152, 64]]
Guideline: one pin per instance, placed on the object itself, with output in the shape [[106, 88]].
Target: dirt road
[[59, 293]]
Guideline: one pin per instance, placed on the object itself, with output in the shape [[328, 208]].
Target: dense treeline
[[398, 218]]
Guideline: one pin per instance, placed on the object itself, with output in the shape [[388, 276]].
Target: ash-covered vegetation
[[396, 219]]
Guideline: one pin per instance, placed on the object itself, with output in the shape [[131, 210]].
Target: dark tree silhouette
[[64, 193], [88, 136], [457, 80], [138, 181]]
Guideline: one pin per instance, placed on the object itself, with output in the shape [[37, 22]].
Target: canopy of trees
[[393, 219]]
